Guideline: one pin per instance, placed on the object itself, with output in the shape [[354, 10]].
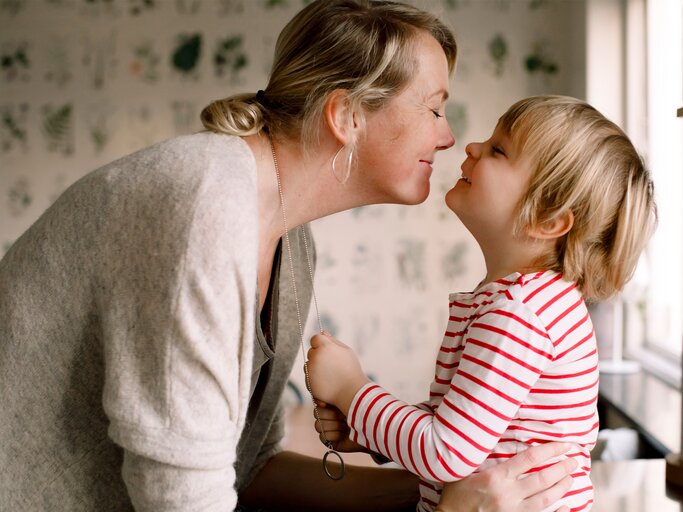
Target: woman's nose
[[446, 140]]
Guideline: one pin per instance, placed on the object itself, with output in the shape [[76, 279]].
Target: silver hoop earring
[[347, 172]]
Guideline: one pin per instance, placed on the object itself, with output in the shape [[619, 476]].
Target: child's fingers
[[316, 341], [332, 432], [319, 340], [331, 426], [331, 437], [330, 413]]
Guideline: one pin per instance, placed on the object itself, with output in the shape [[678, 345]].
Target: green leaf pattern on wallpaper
[[498, 50], [230, 59], [540, 61], [12, 7], [20, 197], [57, 128], [15, 62], [138, 7], [13, 135], [270, 4], [98, 120], [186, 55]]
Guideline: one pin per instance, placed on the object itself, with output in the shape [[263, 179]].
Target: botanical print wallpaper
[[83, 82]]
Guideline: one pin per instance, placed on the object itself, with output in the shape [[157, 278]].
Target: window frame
[[625, 75], [663, 127]]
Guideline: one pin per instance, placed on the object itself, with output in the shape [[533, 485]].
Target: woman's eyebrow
[[441, 92]]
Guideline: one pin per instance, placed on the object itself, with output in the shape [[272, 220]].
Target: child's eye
[[496, 149]]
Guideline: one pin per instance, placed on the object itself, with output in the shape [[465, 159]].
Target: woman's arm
[[291, 481], [494, 489]]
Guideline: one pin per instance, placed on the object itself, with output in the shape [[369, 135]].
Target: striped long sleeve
[[517, 367], [502, 359]]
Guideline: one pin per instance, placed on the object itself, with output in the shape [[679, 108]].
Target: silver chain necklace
[[330, 448]]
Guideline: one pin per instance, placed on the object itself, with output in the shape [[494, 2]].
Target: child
[[561, 206]]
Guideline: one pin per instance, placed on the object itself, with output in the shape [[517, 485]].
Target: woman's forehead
[[431, 63]]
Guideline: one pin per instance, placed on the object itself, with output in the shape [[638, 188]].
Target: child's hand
[[334, 372], [336, 429]]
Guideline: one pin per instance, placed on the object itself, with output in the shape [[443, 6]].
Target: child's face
[[495, 178]]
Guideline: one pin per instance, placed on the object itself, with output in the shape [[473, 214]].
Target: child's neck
[[494, 275], [503, 259]]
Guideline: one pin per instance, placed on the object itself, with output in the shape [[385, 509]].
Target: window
[[664, 155], [652, 94], [635, 77]]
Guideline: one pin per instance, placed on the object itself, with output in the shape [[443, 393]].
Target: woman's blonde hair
[[585, 164], [359, 46]]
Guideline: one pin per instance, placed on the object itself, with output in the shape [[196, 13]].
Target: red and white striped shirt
[[518, 366]]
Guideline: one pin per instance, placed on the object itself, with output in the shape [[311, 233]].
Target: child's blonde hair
[[584, 163]]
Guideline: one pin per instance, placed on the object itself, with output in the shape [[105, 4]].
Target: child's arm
[[503, 357]]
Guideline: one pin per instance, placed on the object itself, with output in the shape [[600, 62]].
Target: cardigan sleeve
[[179, 331]]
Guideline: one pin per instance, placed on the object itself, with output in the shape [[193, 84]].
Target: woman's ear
[[340, 118], [553, 228]]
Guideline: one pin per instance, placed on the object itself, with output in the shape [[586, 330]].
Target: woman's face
[[396, 156]]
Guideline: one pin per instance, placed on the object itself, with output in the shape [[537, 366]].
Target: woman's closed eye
[[437, 114]]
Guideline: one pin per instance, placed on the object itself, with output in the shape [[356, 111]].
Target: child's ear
[[553, 228], [340, 118]]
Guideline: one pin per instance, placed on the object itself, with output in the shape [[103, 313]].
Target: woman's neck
[[309, 188]]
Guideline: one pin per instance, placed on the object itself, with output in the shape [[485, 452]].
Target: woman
[[147, 329]]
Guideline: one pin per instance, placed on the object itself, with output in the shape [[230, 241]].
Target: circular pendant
[[340, 472]]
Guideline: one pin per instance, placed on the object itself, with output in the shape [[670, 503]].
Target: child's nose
[[471, 150]]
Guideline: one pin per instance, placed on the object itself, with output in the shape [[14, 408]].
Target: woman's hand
[[336, 429], [498, 489]]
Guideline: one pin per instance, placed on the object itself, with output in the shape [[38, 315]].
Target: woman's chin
[[416, 196]]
